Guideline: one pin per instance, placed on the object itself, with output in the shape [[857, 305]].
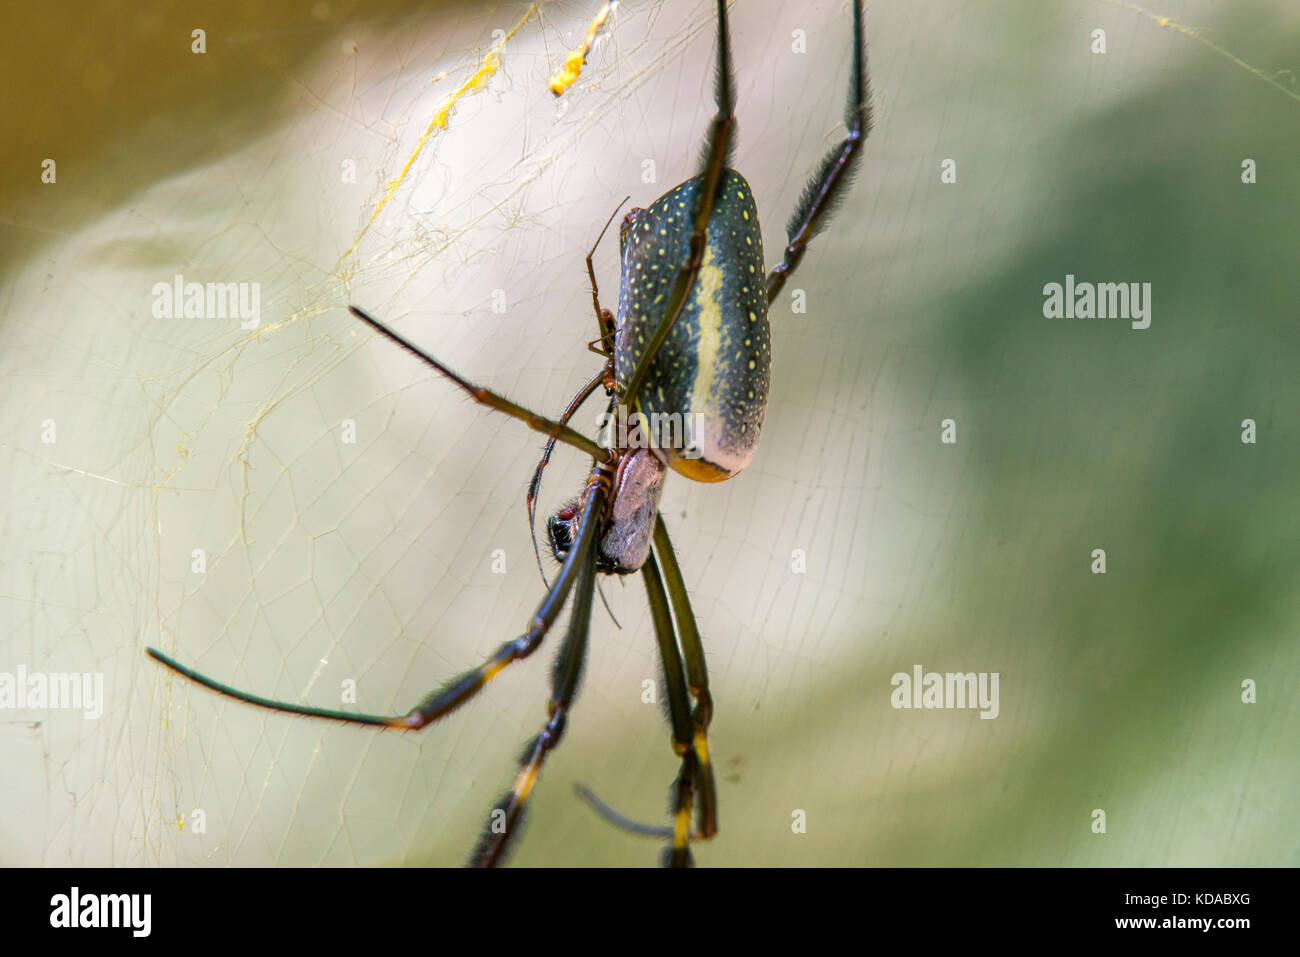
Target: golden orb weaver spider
[[690, 338]]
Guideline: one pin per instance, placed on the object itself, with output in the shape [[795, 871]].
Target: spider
[[691, 337]]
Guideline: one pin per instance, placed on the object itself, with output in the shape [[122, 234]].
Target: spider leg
[[460, 689], [488, 397], [831, 181], [678, 854], [507, 816], [696, 773], [531, 502], [697, 675], [621, 822], [717, 149], [603, 319], [604, 346]]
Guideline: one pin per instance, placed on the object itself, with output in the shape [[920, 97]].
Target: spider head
[[628, 523]]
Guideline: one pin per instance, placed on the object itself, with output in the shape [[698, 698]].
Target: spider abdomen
[[709, 380]]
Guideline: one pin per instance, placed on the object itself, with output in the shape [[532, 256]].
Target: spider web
[[373, 561]]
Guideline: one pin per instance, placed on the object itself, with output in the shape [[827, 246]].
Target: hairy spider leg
[[678, 853], [506, 818], [456, 692], [689, 729], [487, 396], [830, 183]]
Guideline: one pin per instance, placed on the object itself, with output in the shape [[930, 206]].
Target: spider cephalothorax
[[629, 521]]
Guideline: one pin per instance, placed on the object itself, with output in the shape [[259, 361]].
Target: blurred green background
[[328, 561]]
